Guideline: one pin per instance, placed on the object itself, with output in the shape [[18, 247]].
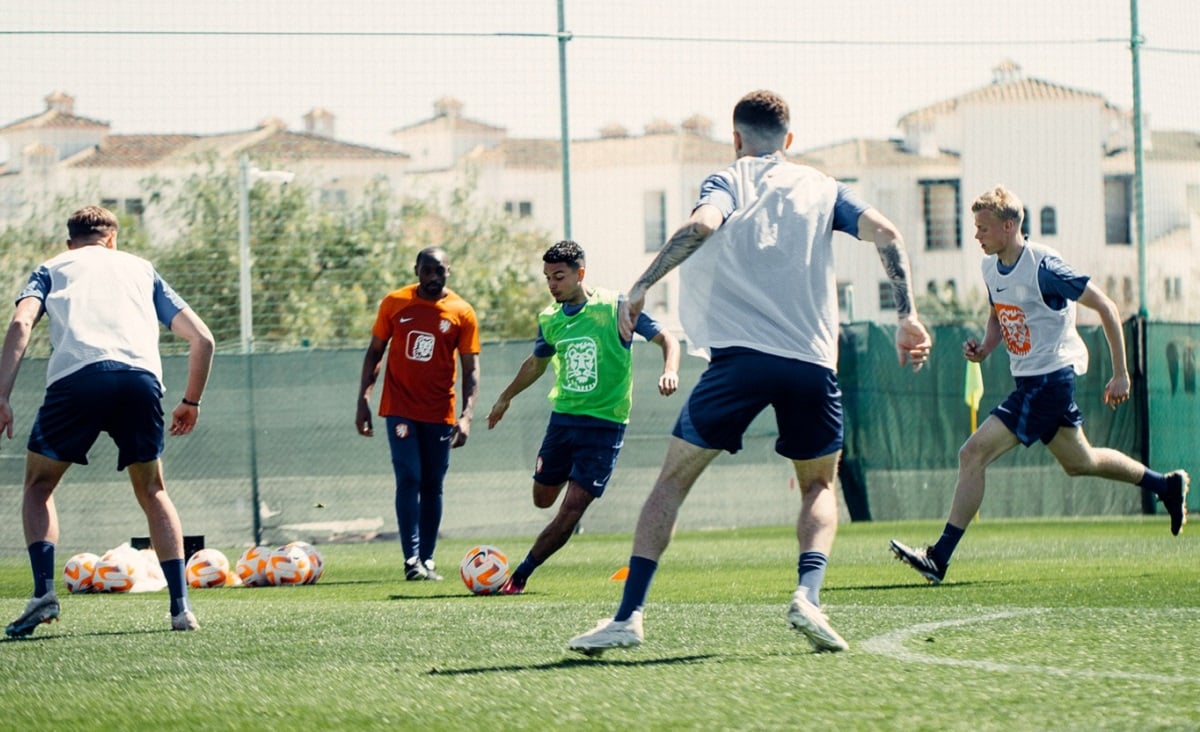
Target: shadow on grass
[[944, 587], [567, 663]]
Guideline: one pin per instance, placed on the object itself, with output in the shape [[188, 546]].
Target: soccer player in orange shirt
[[426, 325]]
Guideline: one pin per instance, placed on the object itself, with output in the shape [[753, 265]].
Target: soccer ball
[[208, 568], [78, 572], [115, 572], [315, 560], [252, 566], [483, 569], [288, 565]]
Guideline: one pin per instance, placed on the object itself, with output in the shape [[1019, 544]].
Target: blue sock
[[811, 571], [173, 570], [1154, 482], [525, 568], [946, 544], [41, 559], [637, 586]]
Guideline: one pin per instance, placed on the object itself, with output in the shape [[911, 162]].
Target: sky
[[849, 68]]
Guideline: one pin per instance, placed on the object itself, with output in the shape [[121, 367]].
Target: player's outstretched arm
[[470, 390], [705, 220], [16, 340], [912, 339], [187, 325], [668, 381], [372, 360], [1117, 389], [975, 351], [530, 371]]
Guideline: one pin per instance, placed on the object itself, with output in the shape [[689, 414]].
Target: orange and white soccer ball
[[208, 568], [78, 572], [115, 572], [483, 569], [315, 561], [252, 566], [288, 565]]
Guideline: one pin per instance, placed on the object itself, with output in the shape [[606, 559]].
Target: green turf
[[1040, 625]]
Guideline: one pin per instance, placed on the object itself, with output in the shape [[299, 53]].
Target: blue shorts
[[583, 451], [1040, 405], [739, 383], [104, 397]]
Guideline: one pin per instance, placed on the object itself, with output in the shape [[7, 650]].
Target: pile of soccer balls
[[294, 563], [125, 569], [120, 569]]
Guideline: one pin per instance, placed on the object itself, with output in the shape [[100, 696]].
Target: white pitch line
[[892, 644]]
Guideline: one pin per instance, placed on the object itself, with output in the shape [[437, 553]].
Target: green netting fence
[[277, 431]]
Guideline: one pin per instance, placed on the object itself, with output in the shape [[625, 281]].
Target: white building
[[57, 153], [1066, 152]]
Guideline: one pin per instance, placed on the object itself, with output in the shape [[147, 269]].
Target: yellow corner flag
[[973, 392]]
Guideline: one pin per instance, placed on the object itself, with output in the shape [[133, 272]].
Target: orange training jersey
[[423, 337]]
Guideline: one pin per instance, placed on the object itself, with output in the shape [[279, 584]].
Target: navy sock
[[637, 586], [946, 544], [41, 559], [1154, 482], [173, 571], [525, 568], [811, 572]]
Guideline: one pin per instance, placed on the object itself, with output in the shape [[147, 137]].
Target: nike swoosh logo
[[446, 438], [405, 320], [998, 289], [571, 325]]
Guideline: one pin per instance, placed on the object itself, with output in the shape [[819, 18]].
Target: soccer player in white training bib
[[758, 294], [104, 374], [1033, 294]]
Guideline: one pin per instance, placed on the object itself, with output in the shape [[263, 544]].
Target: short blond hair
[[1002, 203]]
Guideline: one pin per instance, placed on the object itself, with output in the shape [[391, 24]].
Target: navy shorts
[[584, 453], [106, 397], [1040, 405], [739, 383]]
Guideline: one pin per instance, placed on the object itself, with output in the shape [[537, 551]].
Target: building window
[[845, 301], [654, 215], [520, 209], [1118, 200], [112, 204], [942, 206], [134, 208], [1174, 289], [1049, 221], [887, 297], [333, 197]]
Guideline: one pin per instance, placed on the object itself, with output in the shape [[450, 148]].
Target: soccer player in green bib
[[591, 397]]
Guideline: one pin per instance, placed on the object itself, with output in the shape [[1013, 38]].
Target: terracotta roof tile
[[131, 151], [53, 118], [1017, 90]]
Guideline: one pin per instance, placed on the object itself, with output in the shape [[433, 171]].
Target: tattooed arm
[[705, 220], [912, 340]]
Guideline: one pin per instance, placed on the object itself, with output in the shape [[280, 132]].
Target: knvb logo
[[420, 346]]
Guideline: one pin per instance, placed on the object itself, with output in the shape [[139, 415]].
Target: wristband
[[189, 402]]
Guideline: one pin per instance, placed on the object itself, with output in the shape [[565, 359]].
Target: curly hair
[[567, 252]]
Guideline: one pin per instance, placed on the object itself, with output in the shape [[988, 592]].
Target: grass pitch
[[1040, 625]]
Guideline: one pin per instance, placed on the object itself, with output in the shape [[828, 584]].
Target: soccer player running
[[1033, 295], [426, 324], [758, 291], [104, 374], [592, 396]]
